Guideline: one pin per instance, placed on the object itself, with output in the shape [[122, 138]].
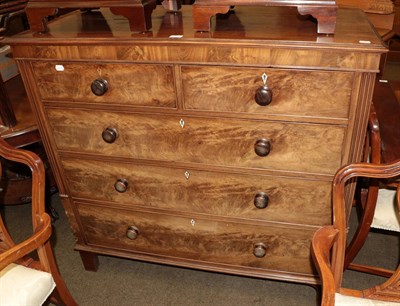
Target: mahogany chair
[[376, 197], [23, 280], [329, 244]]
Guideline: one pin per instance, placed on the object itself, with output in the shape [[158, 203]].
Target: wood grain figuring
[[253, 54], [145, 85], [184, 131], [295, 92], [295, 147], [288, 249], [211, 193]]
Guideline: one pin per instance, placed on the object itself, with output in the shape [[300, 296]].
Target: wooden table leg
[[90, 261]]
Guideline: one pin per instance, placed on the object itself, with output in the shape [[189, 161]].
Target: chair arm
[[41, 235], [322, 243], [38, 174]]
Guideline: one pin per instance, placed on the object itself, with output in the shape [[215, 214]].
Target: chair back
[[40, 219], [329, 243], [11, 252]]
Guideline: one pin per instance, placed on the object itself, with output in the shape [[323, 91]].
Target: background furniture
[[196, 150], [17, 123], [16, 179], [383, 138], [331, 266], [9, 11], [383, 15], [324, 11], [380, 12], [137, 12], [28, 286], [376, 200]]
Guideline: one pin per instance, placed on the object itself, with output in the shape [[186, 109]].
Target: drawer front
[[286, 249], [259, 197], [294, 92], [226, 142], [140, 85]]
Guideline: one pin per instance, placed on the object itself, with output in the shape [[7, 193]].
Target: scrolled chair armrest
[[41, 235], [322, 243]]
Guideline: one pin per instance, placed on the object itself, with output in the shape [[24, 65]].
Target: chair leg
[[61, 294], [49, 208]]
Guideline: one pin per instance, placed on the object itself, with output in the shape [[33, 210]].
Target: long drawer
[[294, 92], [267, 198], [128, 84], [280, 248], [311, 148]]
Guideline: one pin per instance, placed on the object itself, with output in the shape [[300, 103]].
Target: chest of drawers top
[[249, 36]]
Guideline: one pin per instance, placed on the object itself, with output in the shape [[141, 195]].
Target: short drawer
[[260, 197], [128, 84], [308, 148], [280, 248], [294, 92]]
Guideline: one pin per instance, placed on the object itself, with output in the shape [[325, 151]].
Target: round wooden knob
[[132, 232], [263, 95], [259, 250], [109, 135], [121, 185], [261, 200], [262, 147], [99, 87]]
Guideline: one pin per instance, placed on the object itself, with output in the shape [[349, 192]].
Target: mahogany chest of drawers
[[205, 150]]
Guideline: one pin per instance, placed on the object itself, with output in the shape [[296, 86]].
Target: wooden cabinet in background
[[205, 150]]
